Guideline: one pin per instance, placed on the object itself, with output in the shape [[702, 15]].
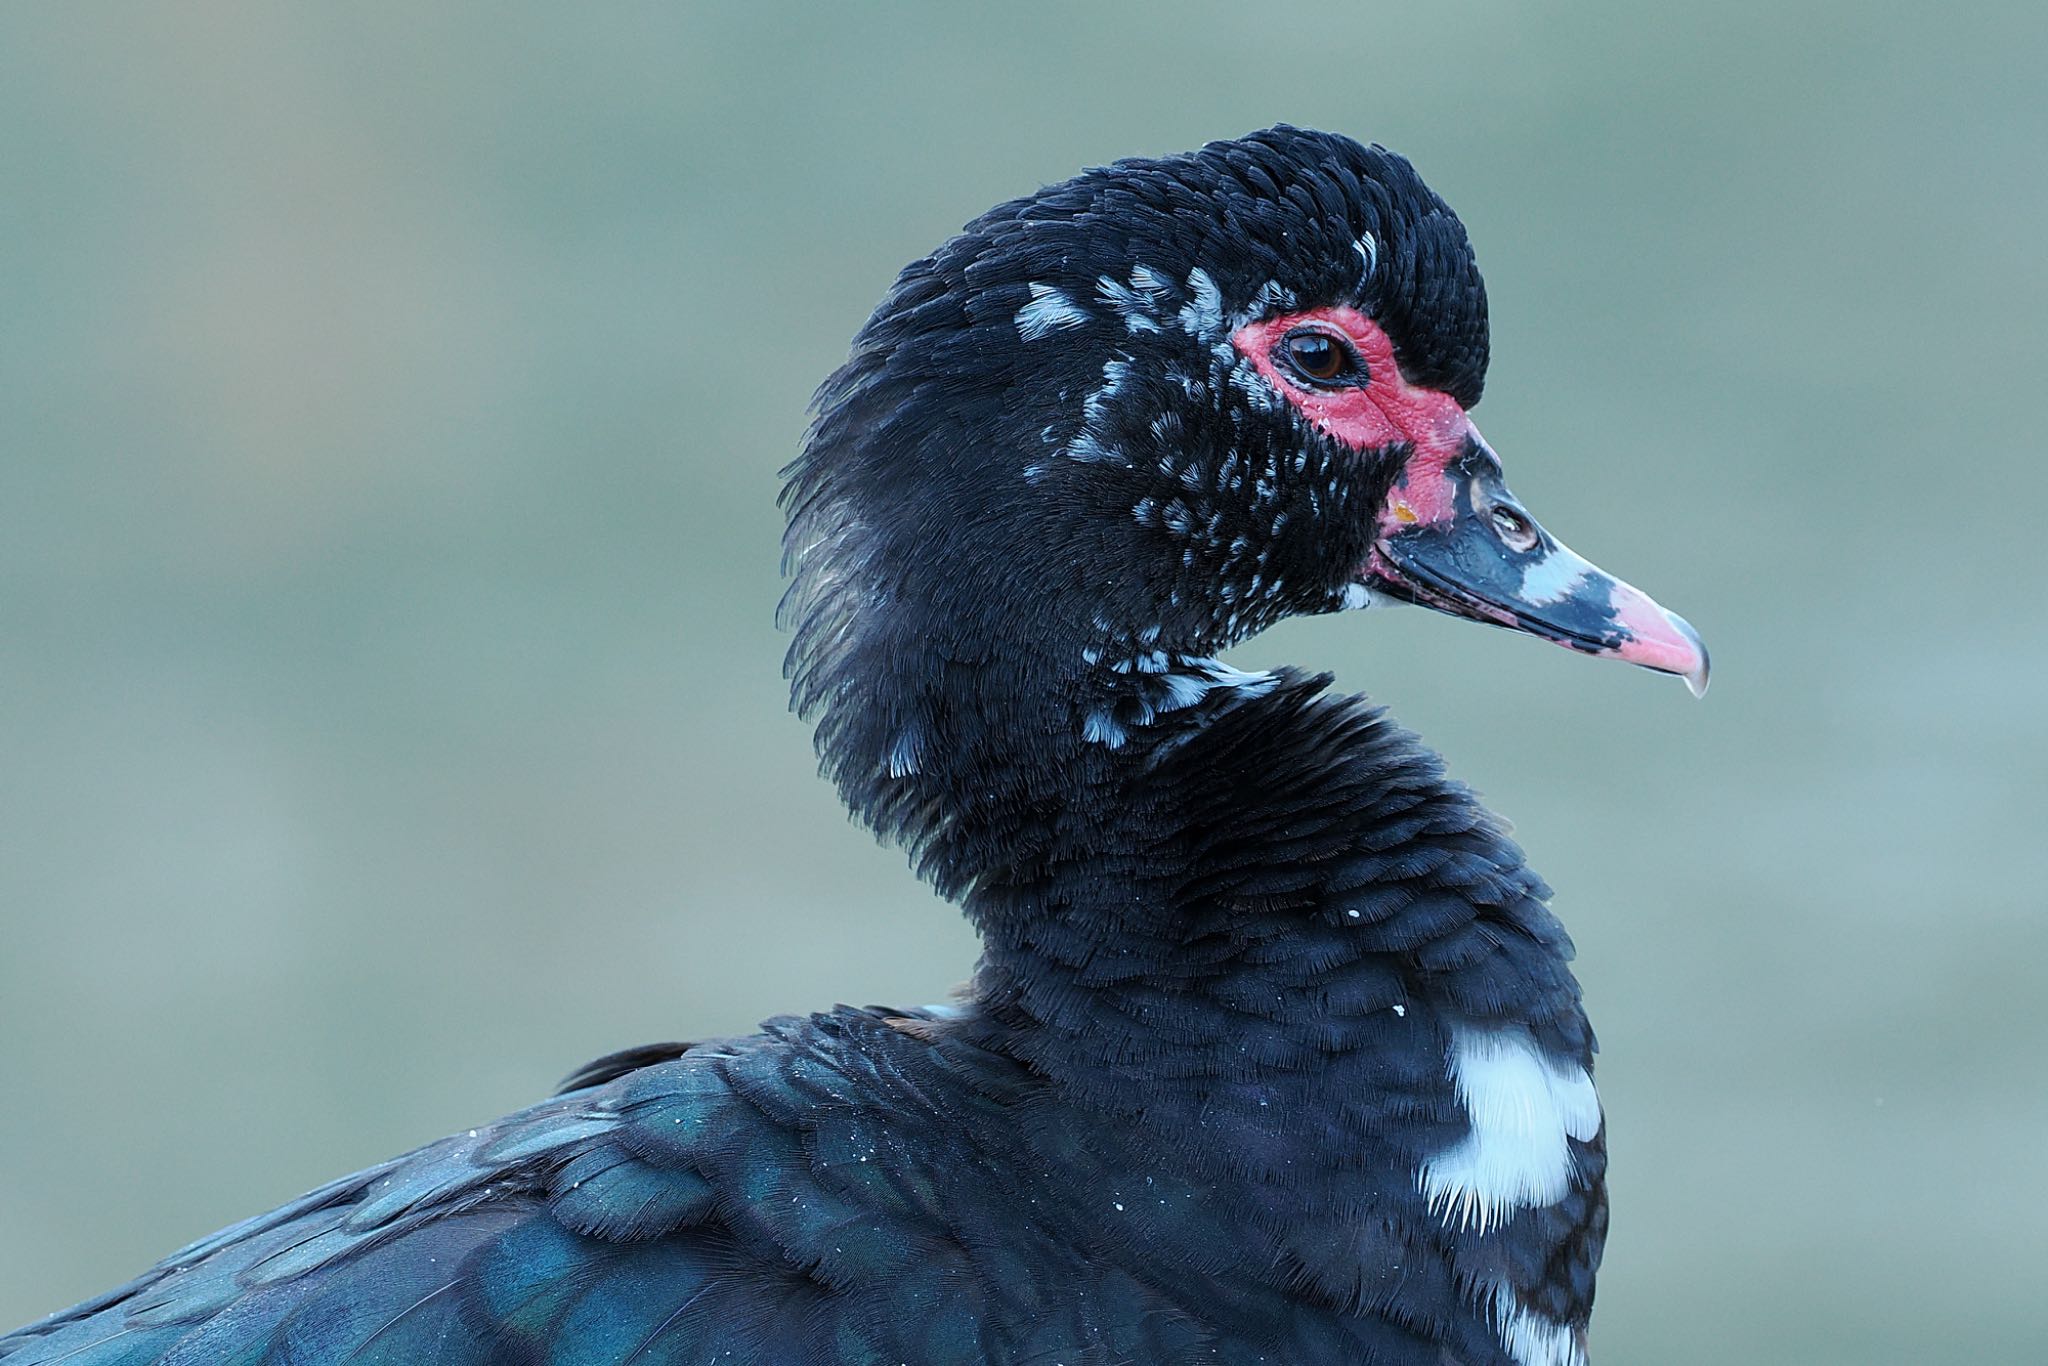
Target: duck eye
[[1321, 358]]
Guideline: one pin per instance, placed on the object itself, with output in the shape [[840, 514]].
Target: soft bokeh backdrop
[[390, 403]]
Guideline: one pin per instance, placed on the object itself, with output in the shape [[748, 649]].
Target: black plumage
[[1258, 978]]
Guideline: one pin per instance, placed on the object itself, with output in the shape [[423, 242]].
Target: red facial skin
[[1387, 409]]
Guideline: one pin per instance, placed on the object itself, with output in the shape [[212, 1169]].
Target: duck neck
[[1187, 877], [1006, 778], [1263, 903]]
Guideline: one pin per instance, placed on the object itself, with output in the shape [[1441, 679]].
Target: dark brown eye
[[1321, 358]]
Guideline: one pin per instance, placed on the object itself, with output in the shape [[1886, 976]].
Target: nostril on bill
[[1515, 530]]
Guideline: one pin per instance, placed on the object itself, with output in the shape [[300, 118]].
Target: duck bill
[[1482, 557]]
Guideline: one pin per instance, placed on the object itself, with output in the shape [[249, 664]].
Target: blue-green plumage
[[870, 1186]]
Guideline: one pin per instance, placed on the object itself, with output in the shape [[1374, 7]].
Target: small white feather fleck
[[1150, 281], [1274, 297], [1116, 372], [906, 755], [1202, 315], [1368, 249], [1048, 310], [1100, 728], [1087, 448], [1129, 303]]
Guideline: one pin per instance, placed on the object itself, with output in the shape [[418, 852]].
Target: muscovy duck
[[1273, 1054]]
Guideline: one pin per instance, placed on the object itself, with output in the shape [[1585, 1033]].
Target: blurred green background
[[390, 403]]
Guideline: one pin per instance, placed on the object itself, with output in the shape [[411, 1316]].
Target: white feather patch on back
[[1524, 1107], [1533, 1340]]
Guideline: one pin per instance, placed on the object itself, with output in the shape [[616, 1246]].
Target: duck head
[[1138, 416]]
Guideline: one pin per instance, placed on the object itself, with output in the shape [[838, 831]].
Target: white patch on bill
[[1524, 1107], [1048, 311], [1554, 578]]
